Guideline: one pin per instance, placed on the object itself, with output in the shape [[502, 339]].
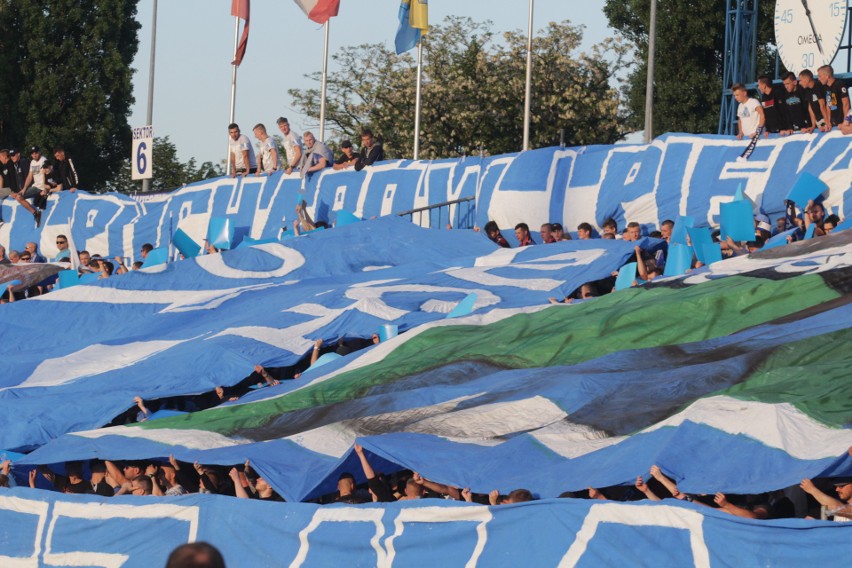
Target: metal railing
[[453, 216]]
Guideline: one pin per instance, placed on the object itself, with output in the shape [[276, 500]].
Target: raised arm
[[440, 488], [266, 377], [239, 490], [643, 487], [116, 473], [316, 351], [151, 473], [369, 473], [670, 485], [722, 501], [640, 264], [822, 498]]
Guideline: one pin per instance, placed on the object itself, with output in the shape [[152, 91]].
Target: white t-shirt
[[748, 116], [292, 140], [237, 147], [37, 169], [267, 154]]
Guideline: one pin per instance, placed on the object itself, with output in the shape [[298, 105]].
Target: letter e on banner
[[140, 158]]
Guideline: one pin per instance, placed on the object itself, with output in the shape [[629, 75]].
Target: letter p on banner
[[140, 157]]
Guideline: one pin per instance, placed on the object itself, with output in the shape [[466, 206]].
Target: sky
[[195, 43]]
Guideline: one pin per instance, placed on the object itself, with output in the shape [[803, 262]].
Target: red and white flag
[[240, 9], [319, 10]]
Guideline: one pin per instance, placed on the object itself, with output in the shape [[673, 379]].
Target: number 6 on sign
[[140, 159]]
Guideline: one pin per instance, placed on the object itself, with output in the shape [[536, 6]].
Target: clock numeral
[[807, 60], [835, 8], [787, 16]]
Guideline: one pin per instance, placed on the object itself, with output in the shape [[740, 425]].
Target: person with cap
[[9, 186], [35, 175], [292, 145], [839, 506], [348, 158], [22, 167], [762, 227], [559, 233]]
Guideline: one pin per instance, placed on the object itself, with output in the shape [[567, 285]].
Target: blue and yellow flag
[[413, 21]]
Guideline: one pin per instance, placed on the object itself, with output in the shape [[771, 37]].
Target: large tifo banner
[[54, 530], [709, 375], [678, 174]]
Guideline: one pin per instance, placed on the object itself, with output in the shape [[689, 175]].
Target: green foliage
[[65, 78], [688, 66], [473, 91], [168, 171]]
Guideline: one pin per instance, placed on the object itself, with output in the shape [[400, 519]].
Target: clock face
[[808, 41]]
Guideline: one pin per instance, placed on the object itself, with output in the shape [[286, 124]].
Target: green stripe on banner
[[632, 319], [812, 374]]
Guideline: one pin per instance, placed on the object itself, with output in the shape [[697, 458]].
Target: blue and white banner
[[678, 174], [44, 529], [187, 327]]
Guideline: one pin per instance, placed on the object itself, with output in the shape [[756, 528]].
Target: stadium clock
[[808, 32]]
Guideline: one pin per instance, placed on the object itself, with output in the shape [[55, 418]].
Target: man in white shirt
[[243, 161], [292, 145], [751, 120], [268, 159], [36, 176]]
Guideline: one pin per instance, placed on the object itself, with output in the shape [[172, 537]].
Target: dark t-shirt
[[834, 96], [773, 109], [370, 156], [104, 489], [797, 108], [353, 499], [344, 159], [814, 95], [8, 176]]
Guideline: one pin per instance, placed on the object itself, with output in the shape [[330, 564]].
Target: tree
[[168, 171], [66, 80], [473, 91], [689, 61]]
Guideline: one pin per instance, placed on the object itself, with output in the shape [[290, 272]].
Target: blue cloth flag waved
[[412, 23]]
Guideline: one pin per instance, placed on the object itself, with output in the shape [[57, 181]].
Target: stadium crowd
[[801, 105], [819, 498]]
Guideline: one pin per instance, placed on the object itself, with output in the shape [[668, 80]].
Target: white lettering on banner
[[26, 507], [339, 198], [634, 171], [342, 515], [367, 300], [481, 275], [291, 260], [480, 515], [387, 199], [642, 516], [92, 360], [690, 176], [385, 555], [104, 511]]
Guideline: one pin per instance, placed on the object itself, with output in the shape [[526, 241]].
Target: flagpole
[[417, 99], [233, 86], [649, 83], [324, 78], [146, 183], [528, 93]]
